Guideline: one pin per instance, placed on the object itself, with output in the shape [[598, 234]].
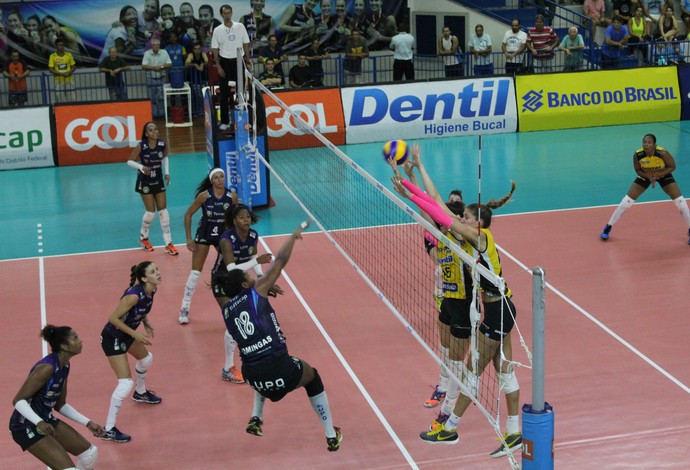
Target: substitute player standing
[[652, 164]]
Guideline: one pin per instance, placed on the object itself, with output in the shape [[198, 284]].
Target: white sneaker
[[184, 316], [224, 127]]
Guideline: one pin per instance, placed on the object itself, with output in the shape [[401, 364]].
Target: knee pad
[[164, 215], [314, 387], [627, 202], [88, 458], [144, 364], [149, 216], [123, 389], [508, 383]]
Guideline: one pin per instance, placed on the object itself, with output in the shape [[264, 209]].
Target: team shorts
[[113, 346], [491, 324], [457, 314], [217, 288], [28, 434], [149, 188], [663, 182], [274, 378]]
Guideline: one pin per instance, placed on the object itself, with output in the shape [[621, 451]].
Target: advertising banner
[[253, 172], [684, 79], [321, 109], [25, 138], [99, 133], [424, 110], [598, 98]]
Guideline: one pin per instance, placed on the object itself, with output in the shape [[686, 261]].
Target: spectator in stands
[[112, 66], [614, 45], [300, 74], [270, 78], [572, 44], [638, 30], [481, 48], [595, 10], [176, 51], [315, 56], [155, 62], [16, 72], [624, 9], [543, 4], [685, 17], [448, 47], [542, 41], [513, 46], [275, 52], [381, 27], [652, 9], [259, 26], [668, 26], [187, 26], [402, 45], [207, 23], [61, 64], [298, 25], [355, 50], [197, 61]]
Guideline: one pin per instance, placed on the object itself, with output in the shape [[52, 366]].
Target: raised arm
[[263, 284]]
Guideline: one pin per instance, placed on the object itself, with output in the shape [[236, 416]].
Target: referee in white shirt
[[402, 45], [227, 38]]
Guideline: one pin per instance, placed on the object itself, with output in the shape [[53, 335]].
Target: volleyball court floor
[[615, 331]]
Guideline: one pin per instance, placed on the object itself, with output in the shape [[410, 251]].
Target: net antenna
[[353, 209]]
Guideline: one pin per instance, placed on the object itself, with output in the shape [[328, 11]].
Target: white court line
[[608, 330], [347, 367]]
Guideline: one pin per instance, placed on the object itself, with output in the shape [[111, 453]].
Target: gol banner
[[99, 133]]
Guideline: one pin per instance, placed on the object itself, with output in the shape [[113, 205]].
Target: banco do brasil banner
[[89, 27], [601, 98], [425, 110]]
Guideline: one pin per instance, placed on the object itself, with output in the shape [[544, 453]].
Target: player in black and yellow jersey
[[652, 164]]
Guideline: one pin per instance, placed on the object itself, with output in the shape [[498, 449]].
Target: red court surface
[[613, 409]]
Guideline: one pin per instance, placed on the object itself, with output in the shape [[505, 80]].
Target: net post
[[245, 155], [538, 417]]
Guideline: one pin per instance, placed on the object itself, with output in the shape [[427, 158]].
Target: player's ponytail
[[486, 213], [138, 272], [56, 336]]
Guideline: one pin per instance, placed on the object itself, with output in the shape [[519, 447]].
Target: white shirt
[[227, 40], [447, 45], [402, 45], [156, 60], [514, 42], [480, 44]]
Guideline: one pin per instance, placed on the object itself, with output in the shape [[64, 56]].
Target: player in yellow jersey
[[652, 164]]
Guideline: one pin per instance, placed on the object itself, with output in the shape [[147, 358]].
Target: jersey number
[[244, 325], [152, 174]]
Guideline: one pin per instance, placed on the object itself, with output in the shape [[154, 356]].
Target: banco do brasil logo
[[532, 100]]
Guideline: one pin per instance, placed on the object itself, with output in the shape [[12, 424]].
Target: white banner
[[25, 138], [429, 110]]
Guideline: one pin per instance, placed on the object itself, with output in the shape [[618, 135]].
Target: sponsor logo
[[108, 132], [533, 100], [486, 98], [281, 122], [19, 140]]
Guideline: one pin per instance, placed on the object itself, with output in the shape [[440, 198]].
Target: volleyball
[[395, 150]]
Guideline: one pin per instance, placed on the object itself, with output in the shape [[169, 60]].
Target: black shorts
[[217, 288], [457, 312], [274, 378], [28, 435], [149, 188], [491, 324], [663, 182], [113, 346]]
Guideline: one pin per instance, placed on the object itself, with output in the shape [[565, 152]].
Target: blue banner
[[89, 28]]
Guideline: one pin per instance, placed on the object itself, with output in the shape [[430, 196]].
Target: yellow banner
[[597, 98]]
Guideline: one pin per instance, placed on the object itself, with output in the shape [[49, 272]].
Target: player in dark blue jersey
[[120, 336], [150, 159], [213, 199], [238, 249], [33, 425], [266, 364]]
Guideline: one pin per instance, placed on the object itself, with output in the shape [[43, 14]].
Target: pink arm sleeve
[[430, 238], [435, 212], [417, 191]]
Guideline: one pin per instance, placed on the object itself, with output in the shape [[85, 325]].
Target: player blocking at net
[[266, 365], [499, 312]]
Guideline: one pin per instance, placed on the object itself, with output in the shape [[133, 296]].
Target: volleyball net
[[383, 239]]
